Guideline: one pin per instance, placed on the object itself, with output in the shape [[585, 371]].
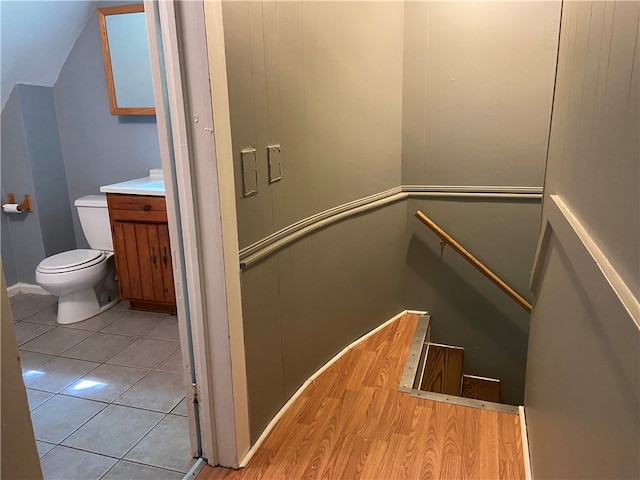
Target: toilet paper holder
[[23, 206]]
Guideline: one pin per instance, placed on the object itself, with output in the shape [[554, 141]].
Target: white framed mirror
[[127, 67]]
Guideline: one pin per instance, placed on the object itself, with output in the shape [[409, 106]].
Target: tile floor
[[106, 395]]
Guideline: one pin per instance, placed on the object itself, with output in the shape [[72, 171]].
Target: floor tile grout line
[[106, 404], [80, 426], [54, 354], [31, 314], [95, 333], [39, 335], [144, 436], [112, 456], [151, 368], [138, 442], [138, 463]]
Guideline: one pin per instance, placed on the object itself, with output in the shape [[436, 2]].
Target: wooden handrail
[[474, 261]]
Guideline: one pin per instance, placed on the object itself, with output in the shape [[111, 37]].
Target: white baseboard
[[20, 287], [295, 396], [525, 444]]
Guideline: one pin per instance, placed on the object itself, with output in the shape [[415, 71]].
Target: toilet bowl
[[79, 279], [83, 279]]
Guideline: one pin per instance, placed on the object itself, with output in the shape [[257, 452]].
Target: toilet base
[[81, 305]]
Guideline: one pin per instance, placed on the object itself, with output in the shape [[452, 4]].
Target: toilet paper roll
[[11, 208]]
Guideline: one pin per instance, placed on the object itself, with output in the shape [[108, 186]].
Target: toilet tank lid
[[92, 201]]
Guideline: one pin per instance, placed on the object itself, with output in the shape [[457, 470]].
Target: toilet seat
[[70, 261]]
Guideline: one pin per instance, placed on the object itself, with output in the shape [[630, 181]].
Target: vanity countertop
[[151, 185]]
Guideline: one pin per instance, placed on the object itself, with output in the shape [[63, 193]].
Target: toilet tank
[[94, 218]]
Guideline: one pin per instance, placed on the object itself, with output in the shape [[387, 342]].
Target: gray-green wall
[[467, 310], [360, 97], [477, 90], [583, 373], [477, 93], [324, 80]]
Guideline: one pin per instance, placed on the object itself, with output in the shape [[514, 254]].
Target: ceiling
[[36, 38]]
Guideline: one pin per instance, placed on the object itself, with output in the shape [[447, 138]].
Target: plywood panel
[[254, 217], [570, 434], [303, 75], [597, 120], [489, 83], [414, 91], [290, 194], [593, 166], [336, 286], [263, 344]]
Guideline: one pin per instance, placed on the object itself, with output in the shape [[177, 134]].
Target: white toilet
[[83, 280]]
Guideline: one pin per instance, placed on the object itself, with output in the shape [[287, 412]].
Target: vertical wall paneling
[[257, 28], [487, 88], [364, 97], [477, 91], [323, 80], [244, 122], [596, 122], [414, 104], [263, 343], [584, 330], [290, 194]]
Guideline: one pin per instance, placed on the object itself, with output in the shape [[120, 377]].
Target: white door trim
[[203, 214]]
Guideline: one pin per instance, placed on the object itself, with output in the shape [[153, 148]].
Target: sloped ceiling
[[36, 38]]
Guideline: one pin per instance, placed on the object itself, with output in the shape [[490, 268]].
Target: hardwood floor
[[443, 371], [352, 423], [481, 388]]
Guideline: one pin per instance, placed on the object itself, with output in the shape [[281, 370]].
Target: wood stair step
[[481, 388], [443, 369]]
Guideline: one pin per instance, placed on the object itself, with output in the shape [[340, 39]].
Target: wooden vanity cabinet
[[142, 251]]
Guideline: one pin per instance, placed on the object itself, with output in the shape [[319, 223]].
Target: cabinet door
[[143, 261], [167, 265], [161, 263], [126, 255]]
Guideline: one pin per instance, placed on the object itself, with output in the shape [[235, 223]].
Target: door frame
[[192, 109]]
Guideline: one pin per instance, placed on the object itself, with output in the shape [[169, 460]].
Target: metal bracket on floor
[[413, 358]]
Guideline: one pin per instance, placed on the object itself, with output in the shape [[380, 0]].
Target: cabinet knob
[[146, 208]]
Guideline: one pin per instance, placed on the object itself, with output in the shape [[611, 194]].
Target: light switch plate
[[275, 166], [249, 172]]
